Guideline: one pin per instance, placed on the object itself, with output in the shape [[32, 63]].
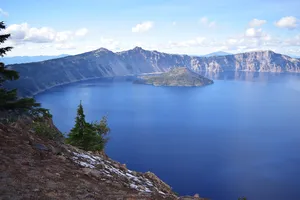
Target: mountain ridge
[[40, 76], [217, 53], [28, 59]]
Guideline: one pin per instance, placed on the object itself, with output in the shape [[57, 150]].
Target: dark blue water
[[239, 136]]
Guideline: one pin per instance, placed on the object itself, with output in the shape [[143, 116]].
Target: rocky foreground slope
[[33, 167], [39, 76]]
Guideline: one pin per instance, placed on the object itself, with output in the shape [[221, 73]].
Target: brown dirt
[[30, 168]]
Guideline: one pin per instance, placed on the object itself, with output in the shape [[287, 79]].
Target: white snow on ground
[[134, 186], [137, 179], [149, 182], [116, 171], [130, 176], [138, 183], [84, 164]]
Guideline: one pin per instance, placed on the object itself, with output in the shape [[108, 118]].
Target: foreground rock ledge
[[33, 167]]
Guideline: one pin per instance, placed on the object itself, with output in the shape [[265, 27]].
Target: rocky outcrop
[[179, 76], [39, 76], [34, 167]]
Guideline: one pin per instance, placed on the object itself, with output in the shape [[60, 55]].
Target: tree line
[[87, 136]]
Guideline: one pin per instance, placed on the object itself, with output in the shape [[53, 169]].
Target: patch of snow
[[85, 164], [97, 158], [133, 186], [81, 155], [138, 183], [137, 179], [149, 182], [147, 190], [160, 192], [130, 175], [116, 171]]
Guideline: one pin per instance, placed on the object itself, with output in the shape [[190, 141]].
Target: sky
[[194, 27]]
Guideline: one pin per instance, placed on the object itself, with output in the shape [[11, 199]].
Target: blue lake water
[[237, 137]]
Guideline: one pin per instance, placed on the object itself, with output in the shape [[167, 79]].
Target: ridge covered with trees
[[9, 99], [87, 136]]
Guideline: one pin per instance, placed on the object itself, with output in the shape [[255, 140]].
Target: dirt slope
[[33, 167]]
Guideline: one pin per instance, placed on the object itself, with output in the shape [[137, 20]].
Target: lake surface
[[239, 136]]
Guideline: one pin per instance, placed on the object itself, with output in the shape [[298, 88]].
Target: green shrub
[[45, 130], [176, 193], [88, 136]]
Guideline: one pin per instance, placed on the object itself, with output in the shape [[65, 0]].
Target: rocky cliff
[[34, 167], [39, 76]]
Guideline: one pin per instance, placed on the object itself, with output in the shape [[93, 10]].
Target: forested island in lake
[[179, 76]]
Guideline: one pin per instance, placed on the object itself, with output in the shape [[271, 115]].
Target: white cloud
[[295, 41], [197, 42], [205, 21], [142, 27], [294, 51], [109, 43], [17, 31], [174, 23], [253, 32], [257, 22], [212, 24], [252, 39], [289, 22], [65, 46], [81, 32], [40, 35], [21, 33], [3, 12], [64, 36]]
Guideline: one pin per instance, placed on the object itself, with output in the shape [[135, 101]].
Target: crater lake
[[237, 137]]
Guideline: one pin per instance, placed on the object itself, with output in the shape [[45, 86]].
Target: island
[[177, 76]]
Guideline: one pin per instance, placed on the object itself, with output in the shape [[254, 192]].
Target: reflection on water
[[247, 76], [291, 79]]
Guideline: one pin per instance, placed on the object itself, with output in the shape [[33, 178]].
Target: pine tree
[[8, 98], [88, 136], [76, 135], [5, 74]]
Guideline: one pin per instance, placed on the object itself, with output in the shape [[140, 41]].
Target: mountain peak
[[261, 51], [102, 50], [138, 49], [217, 53]]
